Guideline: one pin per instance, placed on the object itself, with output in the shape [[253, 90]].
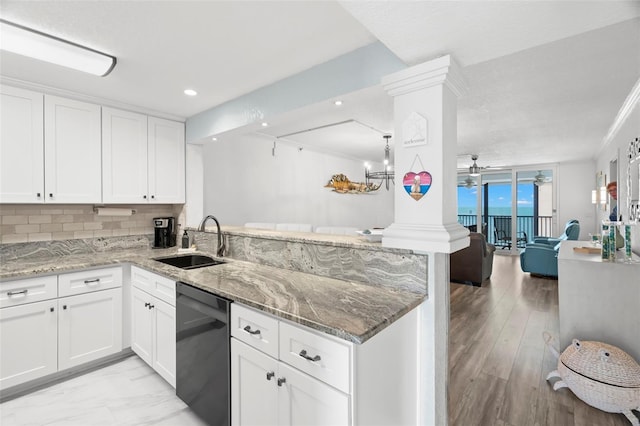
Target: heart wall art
[[417, 184]]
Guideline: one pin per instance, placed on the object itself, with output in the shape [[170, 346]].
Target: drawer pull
[[303, 354], [281, 381], [93, 281], [15, 293], [270, 374], [146, 305], [248, 330]]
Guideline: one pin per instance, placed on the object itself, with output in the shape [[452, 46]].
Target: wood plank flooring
[[498, 360]]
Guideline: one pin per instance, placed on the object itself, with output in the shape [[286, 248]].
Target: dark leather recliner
[[472, 264]]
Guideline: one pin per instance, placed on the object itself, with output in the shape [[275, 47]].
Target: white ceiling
[[546, 79]]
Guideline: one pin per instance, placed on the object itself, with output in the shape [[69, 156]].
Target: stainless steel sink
[[189, 261]]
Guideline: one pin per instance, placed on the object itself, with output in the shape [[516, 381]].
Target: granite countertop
[[353, 311]]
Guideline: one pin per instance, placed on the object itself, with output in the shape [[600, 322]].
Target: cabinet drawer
[[255, 329], [88, 281], [319, 356], [28, 290], [154, 284]]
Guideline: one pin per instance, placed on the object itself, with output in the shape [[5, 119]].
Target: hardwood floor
[[498, 360]]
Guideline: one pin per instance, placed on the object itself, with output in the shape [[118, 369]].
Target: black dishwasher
[[203, 374]]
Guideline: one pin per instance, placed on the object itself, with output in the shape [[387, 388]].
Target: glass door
[[513, 206]]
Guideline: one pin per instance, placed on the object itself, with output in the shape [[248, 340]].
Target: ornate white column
[[425, 219]]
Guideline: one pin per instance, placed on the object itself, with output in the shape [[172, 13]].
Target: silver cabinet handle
[[281, 381], [270, 374], [248, 330], [303, 354], [93, 281], [15, 293]]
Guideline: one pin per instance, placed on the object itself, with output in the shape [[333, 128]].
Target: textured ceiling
[[223, 49], [546, 79]]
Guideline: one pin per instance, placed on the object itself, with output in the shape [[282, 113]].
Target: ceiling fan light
[[44, 47], [474, 170]]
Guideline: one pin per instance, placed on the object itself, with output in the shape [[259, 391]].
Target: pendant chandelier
[[385, 175]]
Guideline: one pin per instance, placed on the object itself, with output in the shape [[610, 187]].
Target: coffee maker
[[165, 232]]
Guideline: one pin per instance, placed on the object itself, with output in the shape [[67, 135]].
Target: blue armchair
[[540, 259], [541, 256], [571, 232]]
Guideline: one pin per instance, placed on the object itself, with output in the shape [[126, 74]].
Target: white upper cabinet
[[58, 150], [124, 157], [143, 159], [73, 166], [21, 146], [166, 161]]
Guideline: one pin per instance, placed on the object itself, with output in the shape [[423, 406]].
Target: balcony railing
[[526, 226]]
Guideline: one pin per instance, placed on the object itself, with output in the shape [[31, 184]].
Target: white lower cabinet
[[28, 342], [41, 337], [153, 324], [287, 374], [269, 391], [89, 327]]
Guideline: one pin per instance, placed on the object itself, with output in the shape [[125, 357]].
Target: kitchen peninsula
[[344, 287]]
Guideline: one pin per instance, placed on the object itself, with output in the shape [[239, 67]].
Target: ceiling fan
[[469, 183], [540, 179], [475, 170]]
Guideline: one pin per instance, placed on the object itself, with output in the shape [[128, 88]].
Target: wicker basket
[[601, 375]]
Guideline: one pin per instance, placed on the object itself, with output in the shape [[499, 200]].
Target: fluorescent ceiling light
[[34, 44]]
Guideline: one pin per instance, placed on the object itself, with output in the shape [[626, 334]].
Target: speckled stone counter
[[349, 309]]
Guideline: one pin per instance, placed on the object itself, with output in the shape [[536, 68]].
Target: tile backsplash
[[21, 223]]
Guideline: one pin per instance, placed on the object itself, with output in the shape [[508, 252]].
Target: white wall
[[616, 149], [575, 182], [243, 182]]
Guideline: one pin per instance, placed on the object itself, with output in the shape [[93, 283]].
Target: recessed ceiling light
[[190, 92], [265, 124], [338, 103], [214, 138]]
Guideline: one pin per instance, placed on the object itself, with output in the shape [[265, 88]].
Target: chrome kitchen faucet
[[221, 246]]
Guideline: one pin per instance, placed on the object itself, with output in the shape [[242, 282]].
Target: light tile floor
[[126, 393]]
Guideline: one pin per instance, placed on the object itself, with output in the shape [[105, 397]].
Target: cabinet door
[[21, 146], [254, 391], [72, 151], [303, 400], [142, 325], [164, 342], [166, 161], [124, 157], [89, 327], [28, 338]]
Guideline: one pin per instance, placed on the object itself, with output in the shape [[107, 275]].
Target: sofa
[[473, 264]]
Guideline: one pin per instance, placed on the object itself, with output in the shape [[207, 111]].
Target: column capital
[[442, 70], [426, 238]]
